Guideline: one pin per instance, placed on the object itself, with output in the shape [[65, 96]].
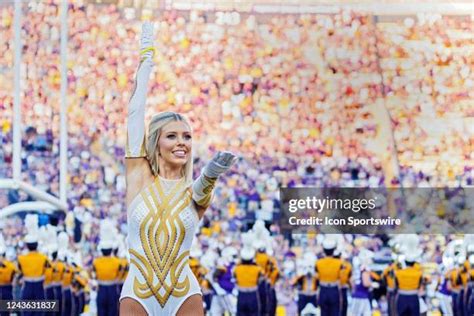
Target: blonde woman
[[164, 204]]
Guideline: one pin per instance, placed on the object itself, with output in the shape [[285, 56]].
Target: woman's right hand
[[147, 49]]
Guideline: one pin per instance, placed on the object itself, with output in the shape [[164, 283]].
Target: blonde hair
[[154, 131]]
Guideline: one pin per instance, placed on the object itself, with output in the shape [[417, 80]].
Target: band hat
[[329, 243], [413, 256], [105, 245], [247, 254], [31, 238]]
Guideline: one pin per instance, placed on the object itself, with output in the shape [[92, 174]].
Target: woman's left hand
[[219, 164]]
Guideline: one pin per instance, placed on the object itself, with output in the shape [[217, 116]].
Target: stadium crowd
[[293, 95]]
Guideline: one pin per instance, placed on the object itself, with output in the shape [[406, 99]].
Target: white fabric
[[360, 307], [423, 306], [202, 190], [181, 220], [445, 303], [221, 304], [136, 110]]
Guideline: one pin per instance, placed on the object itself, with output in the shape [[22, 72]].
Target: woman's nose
[[180, 140]]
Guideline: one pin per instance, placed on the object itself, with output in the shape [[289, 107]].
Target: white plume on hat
[[63, 245], [307, 263], [229, 253], [247, 253], [50, 244], [208, 260], [76, 258], [469, 243], [31, 225], [107, 235], [3, 247], [329, 242], [453, 249], [248, 239], [195, 251], [365, 256], [262, 235], [411, 248]]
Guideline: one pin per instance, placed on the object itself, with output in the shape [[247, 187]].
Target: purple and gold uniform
[[33, 266], [455, 287], [329, 274], [7, 273], [307, 286], [388, 276], [444, 294], [263, 261], [48, 282], [346, 274], [408, 282], [58, 271], [79, 283], [67, 278], [247, 276], [107, 269], [470, 296], [273, 276]]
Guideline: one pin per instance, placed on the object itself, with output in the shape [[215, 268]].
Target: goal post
[[46, 202]]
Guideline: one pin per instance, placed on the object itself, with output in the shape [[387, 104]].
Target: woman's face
[[175, 143]]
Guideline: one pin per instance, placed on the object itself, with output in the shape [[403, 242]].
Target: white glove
[[135, 147], [147, 50], [219, 164], [203, 186]]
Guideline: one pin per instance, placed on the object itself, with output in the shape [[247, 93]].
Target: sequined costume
[[162, 220]]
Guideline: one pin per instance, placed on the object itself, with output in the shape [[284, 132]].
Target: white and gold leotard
[[161, 224]]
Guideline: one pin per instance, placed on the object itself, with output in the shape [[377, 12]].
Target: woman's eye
[[171, 136], [187, 137]]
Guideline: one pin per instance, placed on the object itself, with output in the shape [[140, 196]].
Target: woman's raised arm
[[135, 147]]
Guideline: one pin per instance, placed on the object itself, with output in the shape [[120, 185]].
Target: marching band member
[[262, 259], [273, 276], [346, 274], [388, 276], [105, 270], [362, 284], [443, 291], [463, 280], [33, 264], [68, 276], [248, 276], [328, 271], [408, 282], [59, 264], [248, 297], [222, 283], [469, 267], [455, 286], [7, 274], [79, 284], [306, 284]]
